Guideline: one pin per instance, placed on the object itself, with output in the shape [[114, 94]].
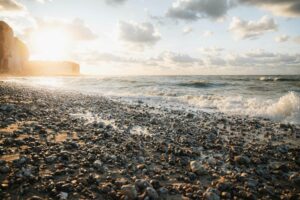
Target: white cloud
[[192, 10], [208, 33], [244, 29], [261, 58], [187, 30], [10, 5], [178, 58], [282, 38], [289, 8], [211, 50], [43, 1], [77, 28], [140, 34]]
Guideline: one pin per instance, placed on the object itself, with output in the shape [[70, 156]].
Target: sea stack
[[14, 53]]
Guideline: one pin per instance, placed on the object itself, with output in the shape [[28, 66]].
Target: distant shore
[[61, 145]]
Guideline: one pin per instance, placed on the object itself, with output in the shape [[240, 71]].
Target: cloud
[[297, 39], [281, 38], [168, 62], [191, 10], [244, 29], [10, 5], [77, 28], [187, 30], [211, 50], [43, 1], [140, 34], [288, 8], [208, 33], [178, 58], [261, 58], [94, 57], [115, 2]]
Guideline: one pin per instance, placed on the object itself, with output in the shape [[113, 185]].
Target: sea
[[273, 97]]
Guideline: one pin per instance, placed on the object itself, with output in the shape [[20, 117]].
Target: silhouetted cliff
[[14, 56], [13, 52]]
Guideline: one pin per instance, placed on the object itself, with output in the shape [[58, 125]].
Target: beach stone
[[4, 169], [129, 191], [51, 159], [197, 168], [152, 194], [97, 164], [63, 196], [141, 184], [242, 160], [7, 108], [35, 198], [211, 194], [295, 178]]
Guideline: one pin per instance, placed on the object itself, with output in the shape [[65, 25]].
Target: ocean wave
[[200, 84], [286, 108], [263, 78]]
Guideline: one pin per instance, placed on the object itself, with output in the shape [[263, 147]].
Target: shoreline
[[73, 146]]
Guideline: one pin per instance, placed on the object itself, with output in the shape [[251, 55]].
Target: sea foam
[[286, 108]]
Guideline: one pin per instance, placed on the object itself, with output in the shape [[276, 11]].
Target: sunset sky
[[121, 37]]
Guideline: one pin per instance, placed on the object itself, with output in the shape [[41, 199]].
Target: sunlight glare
[[50, 44]]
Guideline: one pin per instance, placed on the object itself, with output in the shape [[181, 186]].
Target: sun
[[50, 44]]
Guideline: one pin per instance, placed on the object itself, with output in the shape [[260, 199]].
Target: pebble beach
[[68, 145]]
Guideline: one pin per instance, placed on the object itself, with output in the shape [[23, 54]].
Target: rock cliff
[[13, 52], [14, 56]]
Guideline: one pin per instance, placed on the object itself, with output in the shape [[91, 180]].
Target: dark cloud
[[10, 5], [191, 10], [138, 33]]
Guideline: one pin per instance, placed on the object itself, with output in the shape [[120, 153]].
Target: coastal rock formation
[[14, 56], [13, 52]]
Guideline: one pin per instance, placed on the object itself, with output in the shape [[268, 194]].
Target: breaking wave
[[264, 78], [200, 84], [286, 108]]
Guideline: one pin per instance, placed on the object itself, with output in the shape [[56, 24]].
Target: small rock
[[197, 168], [242, 160], [97, 164], [63, 196], [141, 184], [152, 194], [129, 191], [295, 178], [211, 194], [4, 169]]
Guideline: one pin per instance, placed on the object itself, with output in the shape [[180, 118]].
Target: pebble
[[129, 191], [197, 168], [242, 160], [177, 155]]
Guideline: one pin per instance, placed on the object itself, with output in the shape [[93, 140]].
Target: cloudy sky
[[120, 37]]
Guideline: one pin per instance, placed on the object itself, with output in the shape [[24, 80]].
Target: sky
[[161, 37]]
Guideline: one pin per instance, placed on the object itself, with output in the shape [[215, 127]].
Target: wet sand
[[63, 145]]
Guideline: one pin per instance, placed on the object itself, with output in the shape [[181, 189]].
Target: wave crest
[[286, 108], [199, 84]]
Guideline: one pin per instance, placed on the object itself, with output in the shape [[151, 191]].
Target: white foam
[[286, 108]]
